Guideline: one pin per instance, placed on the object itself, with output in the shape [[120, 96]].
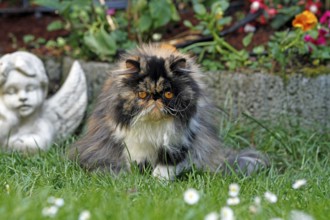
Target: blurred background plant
[[209, 29], [147, 19], [217, 53], [295, 42], [93, 31], [306, 43], [289, 46]]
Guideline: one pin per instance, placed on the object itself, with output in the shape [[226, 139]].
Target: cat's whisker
[[180, 100], [167, 111]]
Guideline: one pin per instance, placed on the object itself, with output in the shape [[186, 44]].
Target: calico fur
[[169, 134]]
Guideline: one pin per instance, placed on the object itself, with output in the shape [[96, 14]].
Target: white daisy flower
[[191, 196], [212, 216], [299, 183], [227, 213], [270, 197], [233, 201], [299, 215], [50, 211], [234, 189], [84, 215], [59, 202]]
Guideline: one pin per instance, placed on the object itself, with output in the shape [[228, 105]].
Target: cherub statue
[[28, 121]]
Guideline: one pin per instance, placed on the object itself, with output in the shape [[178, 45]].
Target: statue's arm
[[8, 121], [38, 138]]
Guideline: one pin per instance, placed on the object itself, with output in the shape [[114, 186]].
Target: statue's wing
[[66, 108]]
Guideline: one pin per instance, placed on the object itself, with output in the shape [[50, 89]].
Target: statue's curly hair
[[26, 63]]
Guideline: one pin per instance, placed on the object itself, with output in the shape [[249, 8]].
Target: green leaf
[[199, 9], [28, 38], [101, 43], [174, 13], [144, 23], [61, 42], [313, 33], [187, 23], [224, 4], [41, 40], [224, 21], [140, 5], [55, 25], [51, 44], [247, 39], [160, 12], [258, 49]]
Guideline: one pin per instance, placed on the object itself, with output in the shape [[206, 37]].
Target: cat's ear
[[133, 64], [179, 65]]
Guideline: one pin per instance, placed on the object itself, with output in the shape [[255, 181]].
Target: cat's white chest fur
[[145, 138]]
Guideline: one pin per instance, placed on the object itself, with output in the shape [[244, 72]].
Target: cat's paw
[[164, 172]]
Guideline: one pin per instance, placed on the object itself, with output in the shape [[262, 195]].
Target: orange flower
[[306, 21]]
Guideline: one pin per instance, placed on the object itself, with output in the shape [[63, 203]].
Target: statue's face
[[22, 94]]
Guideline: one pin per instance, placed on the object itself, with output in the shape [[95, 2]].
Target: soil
[[15, 27]]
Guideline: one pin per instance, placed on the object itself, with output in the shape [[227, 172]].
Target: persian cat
[[153, 111]]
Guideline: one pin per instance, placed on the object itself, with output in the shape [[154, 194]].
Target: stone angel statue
[[30, 122]]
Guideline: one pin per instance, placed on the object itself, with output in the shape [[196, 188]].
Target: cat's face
[[156, 88]]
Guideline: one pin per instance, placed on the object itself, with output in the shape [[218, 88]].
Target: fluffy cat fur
[[153, 110]]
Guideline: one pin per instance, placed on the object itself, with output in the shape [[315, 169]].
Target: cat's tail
[[246, 162]]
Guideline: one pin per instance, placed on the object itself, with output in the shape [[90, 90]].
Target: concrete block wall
[[301, 99]]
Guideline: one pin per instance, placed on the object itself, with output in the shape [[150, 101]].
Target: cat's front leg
[[169, 163]]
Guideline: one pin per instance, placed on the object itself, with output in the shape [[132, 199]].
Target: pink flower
[[325, 19], [111, 11], [272, 12], [320, 40]]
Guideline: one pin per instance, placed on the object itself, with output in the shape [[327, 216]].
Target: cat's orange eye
[[142, 94], [168, 95]]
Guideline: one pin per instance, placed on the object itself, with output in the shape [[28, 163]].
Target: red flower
[[321, 38]]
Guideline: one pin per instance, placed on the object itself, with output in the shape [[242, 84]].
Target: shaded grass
[[295, 154]]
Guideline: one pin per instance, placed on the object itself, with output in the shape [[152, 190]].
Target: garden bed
[[16, 27]]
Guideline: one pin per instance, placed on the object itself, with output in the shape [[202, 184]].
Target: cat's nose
[[156, 96]]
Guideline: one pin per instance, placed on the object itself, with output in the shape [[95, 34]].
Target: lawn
[[27, 184]]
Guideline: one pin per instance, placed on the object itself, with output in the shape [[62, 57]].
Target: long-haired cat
[[154, 110]]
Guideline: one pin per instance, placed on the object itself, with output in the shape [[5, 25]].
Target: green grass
[[295, 154]]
